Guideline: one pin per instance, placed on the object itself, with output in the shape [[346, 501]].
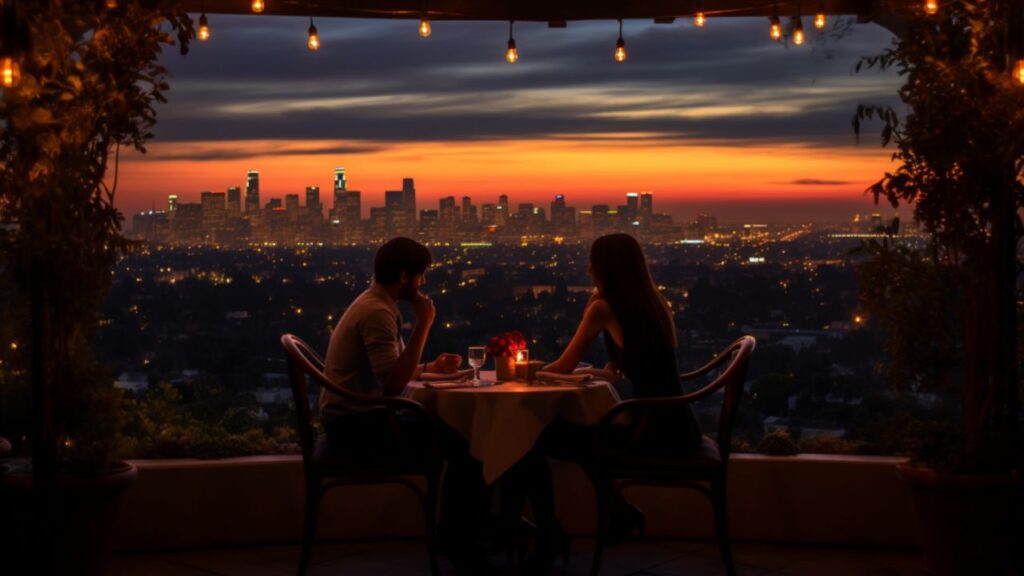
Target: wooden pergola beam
[[553, 11]]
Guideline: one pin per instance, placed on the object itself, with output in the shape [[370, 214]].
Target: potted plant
[[950, 311], [79, 80]]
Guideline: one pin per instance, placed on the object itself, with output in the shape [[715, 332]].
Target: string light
[[425, 27], [700, 19], [931, 6], [798, 31], [10, 74], [258, 6], [314, 39], [776, 30], [511, 55], [203, 33], [819, 18], [620, 46], [1018, 72]]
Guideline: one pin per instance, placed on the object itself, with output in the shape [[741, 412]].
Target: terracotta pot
[[80, 536], [505, 368], [965, 521]]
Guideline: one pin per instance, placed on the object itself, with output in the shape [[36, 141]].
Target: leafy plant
[[90, 79], [959, 149]]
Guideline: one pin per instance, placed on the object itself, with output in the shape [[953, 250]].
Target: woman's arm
[[595, 319]]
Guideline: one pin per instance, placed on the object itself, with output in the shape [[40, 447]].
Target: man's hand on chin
[[445, 364]]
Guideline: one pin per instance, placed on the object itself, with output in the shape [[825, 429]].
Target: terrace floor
[[643, 558]]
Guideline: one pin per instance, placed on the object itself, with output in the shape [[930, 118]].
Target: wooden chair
[[704, 470], [323, 472]]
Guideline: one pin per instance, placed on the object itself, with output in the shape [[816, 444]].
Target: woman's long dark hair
[[621, 274]]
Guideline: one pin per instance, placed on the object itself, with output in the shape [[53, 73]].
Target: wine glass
[[477, 355]]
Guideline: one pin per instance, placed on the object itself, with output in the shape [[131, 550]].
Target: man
[[367, 355]]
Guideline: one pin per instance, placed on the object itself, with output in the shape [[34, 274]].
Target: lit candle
[[523, 364]]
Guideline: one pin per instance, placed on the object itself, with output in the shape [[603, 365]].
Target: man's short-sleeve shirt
[[363, 350]]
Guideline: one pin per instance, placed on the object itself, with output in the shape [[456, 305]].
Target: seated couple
[[368, 355]]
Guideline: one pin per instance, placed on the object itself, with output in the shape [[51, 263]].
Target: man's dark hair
[[400, 255]]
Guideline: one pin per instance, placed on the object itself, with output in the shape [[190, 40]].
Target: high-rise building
[[409, 199], [291, 203], [469, 217], [632, 203], [646, 203], [214, 216], [313, 200], [172, 203], [448, 215], [396, 221], [274, 204], [234, 205], [563, 217], [502, 211], [340, 187], [252, 191], [488, 214]]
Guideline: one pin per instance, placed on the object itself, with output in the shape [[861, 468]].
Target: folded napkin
[[557, 378], [449, 385], [449, 377]]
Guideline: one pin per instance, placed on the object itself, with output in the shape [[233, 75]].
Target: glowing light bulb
[[511, 54], [620, 46], [700, 19], [931, 6], [203, 33], [819, 18], [425, 27], [776, 30], [10, 74], [111, 4], [798, 31], [620, 50], [258, 6], [314, 39], [1018, 71]]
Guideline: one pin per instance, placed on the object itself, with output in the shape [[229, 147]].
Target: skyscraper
[[646, 203], [340, 187], [252, 192], [234, 200], [501, 213], [172, 203], [313, 200], [468, 212], [291, 203], [563, 217], [409, 198]]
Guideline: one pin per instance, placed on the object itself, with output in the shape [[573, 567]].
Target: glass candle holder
[[522, 364]]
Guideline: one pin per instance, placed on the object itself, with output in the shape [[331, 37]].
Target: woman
[[636, 325]]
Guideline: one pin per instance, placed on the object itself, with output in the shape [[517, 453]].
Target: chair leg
[[309, 527], [604, 504], [430, 521], [722, 525]]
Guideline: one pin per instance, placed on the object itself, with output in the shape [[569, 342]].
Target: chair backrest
[[303, 361], [732, 379]]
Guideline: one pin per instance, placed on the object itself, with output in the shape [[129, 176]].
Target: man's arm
[[407, 363]]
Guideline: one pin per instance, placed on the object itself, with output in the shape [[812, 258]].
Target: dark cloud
[[816, 182], [201, 154], [377, 81]]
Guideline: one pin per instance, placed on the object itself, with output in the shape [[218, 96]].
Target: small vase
[[505, 368]]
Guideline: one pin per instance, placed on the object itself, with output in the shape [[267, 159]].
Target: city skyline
[[719, 115]]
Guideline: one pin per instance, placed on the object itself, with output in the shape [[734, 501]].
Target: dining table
[[502, 421]]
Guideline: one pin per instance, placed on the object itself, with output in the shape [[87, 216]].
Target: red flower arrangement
[[506, 344]]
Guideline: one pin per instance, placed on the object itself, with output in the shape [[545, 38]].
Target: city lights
[[258, 6], [425, 27], [314, 39]]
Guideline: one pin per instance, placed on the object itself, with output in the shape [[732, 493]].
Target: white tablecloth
[[503, 422]]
